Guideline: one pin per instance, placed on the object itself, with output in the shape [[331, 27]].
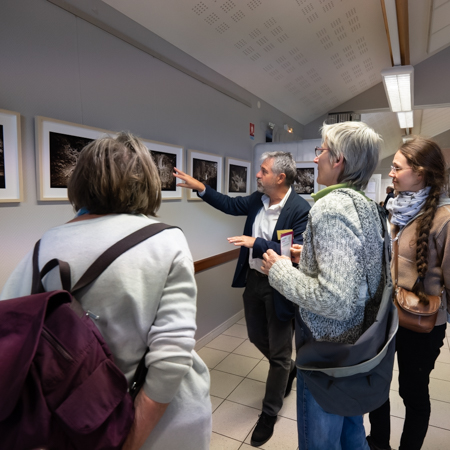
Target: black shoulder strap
[[113, 252], [64, 272], [98, 266]]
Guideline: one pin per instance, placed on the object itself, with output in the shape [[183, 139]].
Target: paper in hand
[[286, 239]]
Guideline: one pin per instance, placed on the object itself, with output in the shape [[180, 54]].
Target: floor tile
[[289, 409], [219, 442], [246, 447], [248, 349], [440, 411], [397, 407], [242, 321], [249, 393], [284, 436], [260, 371], [394, 382], [441, 371], [225, 343], [237, 330], [223, 384], [436, 439], [211, 356], [215, 402], [444, 356], [396, 429], [237, 364], [440, 390], [234, 420], [440, 414]]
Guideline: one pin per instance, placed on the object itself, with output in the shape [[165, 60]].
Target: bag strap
[[395, 262], [387, 240], [113, 252], [64, 272], [98, 266]]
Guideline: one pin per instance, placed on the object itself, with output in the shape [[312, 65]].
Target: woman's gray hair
[[358, 144], [283, 162]]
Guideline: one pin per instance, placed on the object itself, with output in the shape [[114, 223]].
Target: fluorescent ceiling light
[[405, 119], [398, 84]]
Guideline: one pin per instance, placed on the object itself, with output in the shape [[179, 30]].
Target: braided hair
[[425, 157]]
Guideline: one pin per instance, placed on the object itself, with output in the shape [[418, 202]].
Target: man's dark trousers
[[271, 336]]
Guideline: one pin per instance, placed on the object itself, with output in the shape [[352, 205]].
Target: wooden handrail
[[215, 260]]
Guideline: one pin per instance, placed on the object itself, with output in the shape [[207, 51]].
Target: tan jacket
[[438, 274]]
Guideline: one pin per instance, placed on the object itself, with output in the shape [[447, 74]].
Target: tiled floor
[[238, 374]]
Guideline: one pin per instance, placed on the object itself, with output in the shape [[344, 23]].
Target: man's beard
[[260, 188]]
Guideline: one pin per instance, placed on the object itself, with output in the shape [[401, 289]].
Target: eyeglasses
[[397, 169], [319, 150]]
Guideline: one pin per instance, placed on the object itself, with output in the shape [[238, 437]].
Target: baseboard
[[218, 330]]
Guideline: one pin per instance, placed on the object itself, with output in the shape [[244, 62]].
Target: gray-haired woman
[[338, 283]]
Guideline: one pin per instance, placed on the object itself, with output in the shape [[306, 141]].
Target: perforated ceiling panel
[[304, 57], [435, 121], [385, 124], [439, 35]]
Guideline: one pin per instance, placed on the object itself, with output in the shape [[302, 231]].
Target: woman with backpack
[[144, 300], [338, 284], [420, 219]]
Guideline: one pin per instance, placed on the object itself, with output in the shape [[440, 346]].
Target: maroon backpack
[[59, 386]]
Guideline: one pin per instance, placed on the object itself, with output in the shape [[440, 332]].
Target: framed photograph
[[167, 157], [207, 168], [237, 177], [305, 182], [58, 146], [11, 187]]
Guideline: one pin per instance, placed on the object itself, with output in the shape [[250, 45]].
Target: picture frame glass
[[205, 171], [2, 159], [167, 157], [207, 168], [238, 177], [305, 182], [64, 152], [59, 144], [11, 189]]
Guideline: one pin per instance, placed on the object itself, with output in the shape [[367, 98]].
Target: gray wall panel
[[60, 66]]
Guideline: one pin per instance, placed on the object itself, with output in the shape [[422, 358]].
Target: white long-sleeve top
[[146, 297]]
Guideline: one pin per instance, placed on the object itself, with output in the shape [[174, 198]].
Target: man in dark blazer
[[275, 206]]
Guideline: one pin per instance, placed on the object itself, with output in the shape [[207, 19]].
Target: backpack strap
[[64, 272], [113, 252], [98, 266]]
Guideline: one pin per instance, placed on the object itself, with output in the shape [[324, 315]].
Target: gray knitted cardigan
[[338, 284]]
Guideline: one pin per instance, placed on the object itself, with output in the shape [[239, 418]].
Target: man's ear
[[281, 178]]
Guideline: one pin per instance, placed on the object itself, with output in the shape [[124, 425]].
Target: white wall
[[60, 66]]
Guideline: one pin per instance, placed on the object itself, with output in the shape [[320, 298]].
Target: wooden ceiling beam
[[403, 30], [401, 7]]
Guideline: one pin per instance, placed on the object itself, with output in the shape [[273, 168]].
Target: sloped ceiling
[[305, 57]]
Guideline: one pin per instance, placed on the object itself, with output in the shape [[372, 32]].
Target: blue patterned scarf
[[407, 205]]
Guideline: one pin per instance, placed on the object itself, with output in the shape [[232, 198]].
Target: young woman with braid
[[420, 219]]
